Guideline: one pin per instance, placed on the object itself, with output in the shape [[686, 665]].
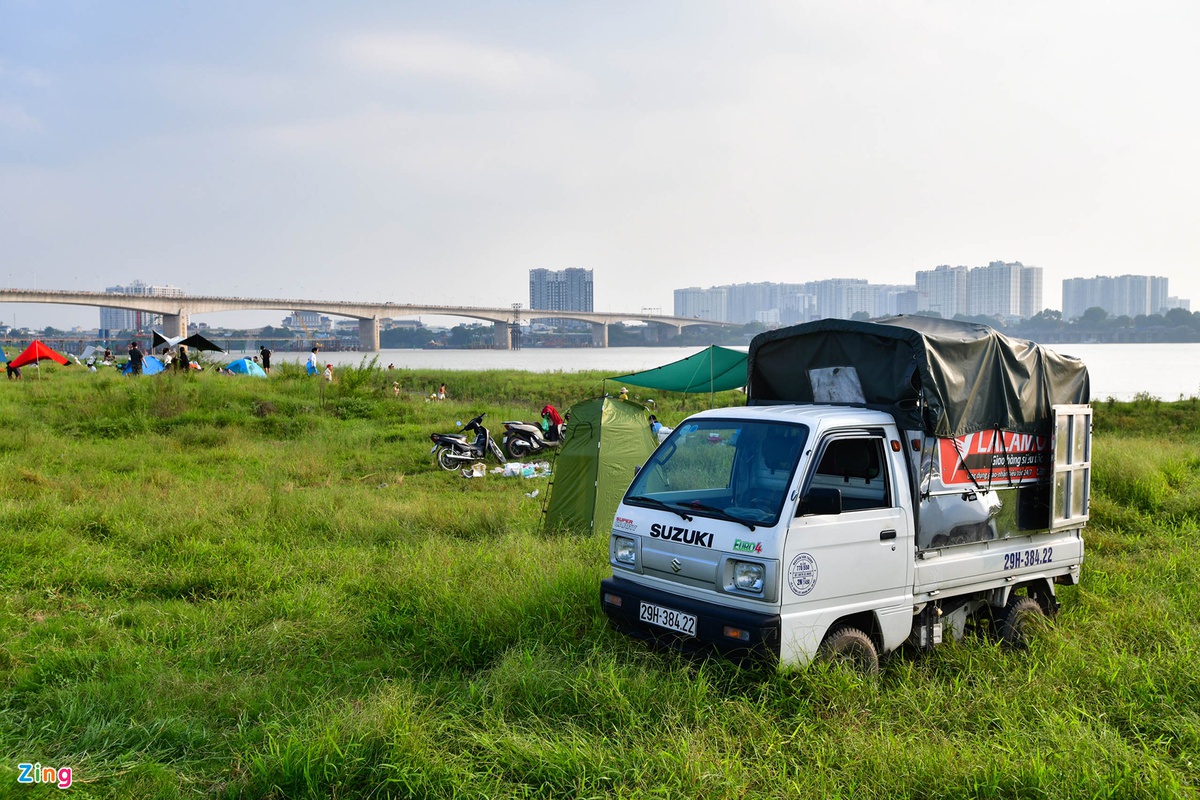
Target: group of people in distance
[[180, 360]]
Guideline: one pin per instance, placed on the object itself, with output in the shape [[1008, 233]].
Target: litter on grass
[[540, 469]]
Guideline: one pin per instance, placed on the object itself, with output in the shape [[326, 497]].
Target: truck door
[[853, 559]]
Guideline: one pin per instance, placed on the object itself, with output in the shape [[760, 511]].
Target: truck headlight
[[624, 550], [748, 576]]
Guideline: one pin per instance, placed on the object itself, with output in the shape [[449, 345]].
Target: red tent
[[35, 353]]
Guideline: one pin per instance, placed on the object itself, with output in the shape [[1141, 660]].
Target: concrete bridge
[[177, 311]]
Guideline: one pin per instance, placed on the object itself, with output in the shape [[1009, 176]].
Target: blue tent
[[245, 366], [150, 366]]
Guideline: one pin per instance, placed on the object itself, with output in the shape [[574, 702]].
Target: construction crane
[[307, 333]]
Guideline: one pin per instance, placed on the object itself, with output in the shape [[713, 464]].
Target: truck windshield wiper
[[656, 503], [720, 512]]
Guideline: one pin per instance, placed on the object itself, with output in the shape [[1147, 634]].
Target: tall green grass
[[228, 587]]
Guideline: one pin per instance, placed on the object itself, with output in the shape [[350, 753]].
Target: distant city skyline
[[939, 289], [1008, 291]]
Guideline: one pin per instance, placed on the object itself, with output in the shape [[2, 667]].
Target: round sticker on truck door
[[802, 574]]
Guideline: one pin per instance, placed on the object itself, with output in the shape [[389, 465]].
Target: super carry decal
[[671, 533], [625, 524]]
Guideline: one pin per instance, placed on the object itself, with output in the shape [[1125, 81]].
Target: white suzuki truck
[[889, 482]]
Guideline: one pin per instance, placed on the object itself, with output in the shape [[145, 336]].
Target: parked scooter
[[454, 450], [524, 438]]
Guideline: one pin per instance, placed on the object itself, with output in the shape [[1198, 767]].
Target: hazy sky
[[434, 152]]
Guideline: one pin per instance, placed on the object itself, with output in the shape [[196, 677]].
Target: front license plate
[[668, 618]]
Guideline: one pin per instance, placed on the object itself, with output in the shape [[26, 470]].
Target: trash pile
[[539, 469]]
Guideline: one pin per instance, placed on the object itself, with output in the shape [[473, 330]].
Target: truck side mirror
[[820, 501]]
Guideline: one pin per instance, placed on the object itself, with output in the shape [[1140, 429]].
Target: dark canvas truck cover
[[968, 376]]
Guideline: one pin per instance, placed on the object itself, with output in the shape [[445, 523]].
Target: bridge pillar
[[368, 335], [175, 325], [657, 332], [501, 336], [599, 334]]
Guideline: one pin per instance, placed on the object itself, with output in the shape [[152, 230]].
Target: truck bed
[[992, 564]]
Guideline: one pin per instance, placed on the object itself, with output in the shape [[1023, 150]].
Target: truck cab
[[726, 532]]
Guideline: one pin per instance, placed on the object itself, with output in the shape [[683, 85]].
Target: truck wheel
[[445, 461], [851, 647], [517, 448], [1022, 616]]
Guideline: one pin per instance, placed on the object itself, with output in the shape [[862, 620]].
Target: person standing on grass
[[136, 357], [265, 354], [312, 362], [442, 392], [329, 373], [184, 362]]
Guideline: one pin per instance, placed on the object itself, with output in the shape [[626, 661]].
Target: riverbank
[[232, 587]]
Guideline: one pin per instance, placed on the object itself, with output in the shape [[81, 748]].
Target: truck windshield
[[739, 469]]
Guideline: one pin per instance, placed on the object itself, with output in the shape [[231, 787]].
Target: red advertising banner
[[992, 457]]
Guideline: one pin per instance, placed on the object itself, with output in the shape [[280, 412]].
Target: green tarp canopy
[[945, 377], [713, 369], [606, 440]]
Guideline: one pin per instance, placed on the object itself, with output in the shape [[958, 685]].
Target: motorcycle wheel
[[517, 448], [445, 461], [497, 452]]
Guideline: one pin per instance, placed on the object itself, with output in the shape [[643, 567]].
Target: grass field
[[229, 587]]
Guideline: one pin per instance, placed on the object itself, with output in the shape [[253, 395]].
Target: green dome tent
[[605, 441]]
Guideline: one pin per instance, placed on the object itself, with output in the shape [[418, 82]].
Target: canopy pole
[[711, 392]]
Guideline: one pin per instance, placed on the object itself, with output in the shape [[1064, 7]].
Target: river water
[[1118, 371]]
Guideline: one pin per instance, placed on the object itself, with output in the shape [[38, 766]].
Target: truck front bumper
[[730, 631]]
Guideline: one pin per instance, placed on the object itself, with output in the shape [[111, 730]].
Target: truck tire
[[851, 647], [1022, 616]]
